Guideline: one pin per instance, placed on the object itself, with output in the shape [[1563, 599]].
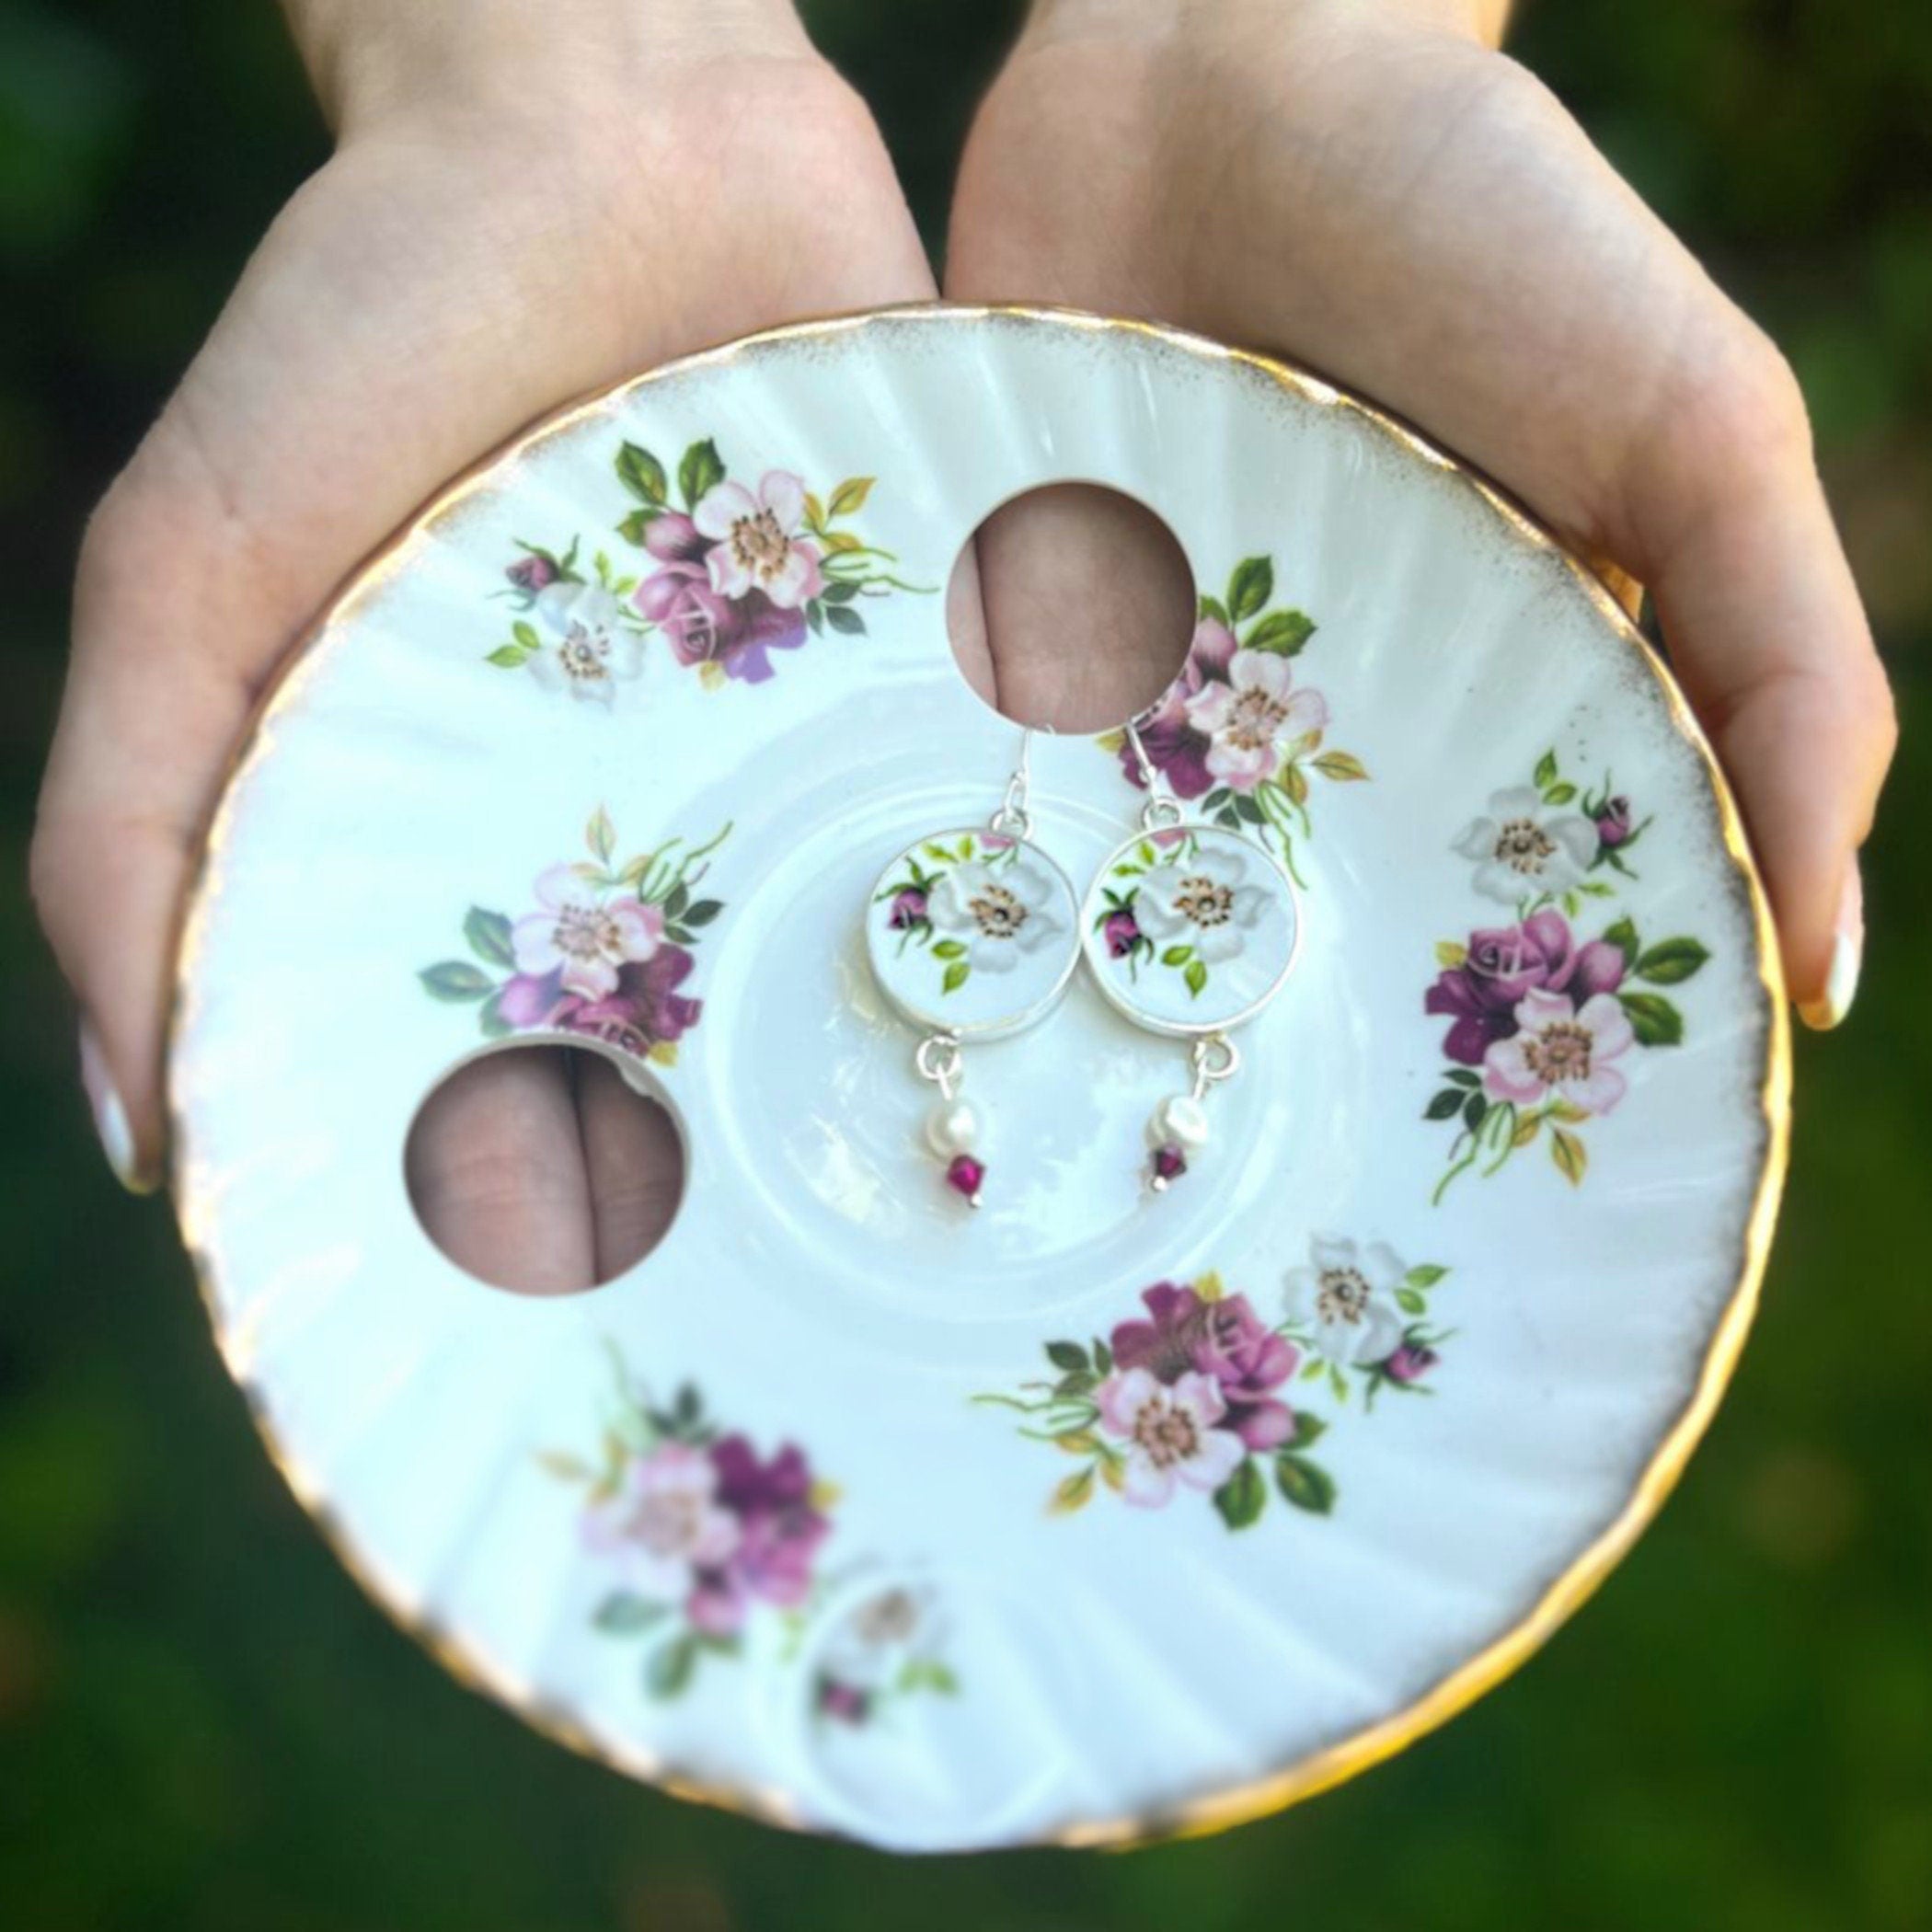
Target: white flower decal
[[998, 913], [1249, 718], [586, 935], [1206, 902], [755, 541], [1346, 1299], [1523, 847], [589, 648]]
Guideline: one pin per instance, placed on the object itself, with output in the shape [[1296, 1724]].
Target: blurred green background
[[202, 1722]]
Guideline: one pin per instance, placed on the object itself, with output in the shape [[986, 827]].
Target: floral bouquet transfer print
[[736, 570], [1546, 1026], [698, 1531], [1235, 731], [605, 949], [1200, 1397]]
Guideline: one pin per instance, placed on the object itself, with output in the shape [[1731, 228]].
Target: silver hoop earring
[[1190, 930], [972, 934]]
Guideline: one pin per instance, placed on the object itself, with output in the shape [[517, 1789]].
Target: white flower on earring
[[1206, 902], [997, 911]]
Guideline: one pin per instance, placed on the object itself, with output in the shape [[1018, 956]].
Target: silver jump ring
[[939, 1060], [1215, 1058]]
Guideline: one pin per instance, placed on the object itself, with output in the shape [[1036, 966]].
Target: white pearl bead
[[1181, 1120], [952, 1128]]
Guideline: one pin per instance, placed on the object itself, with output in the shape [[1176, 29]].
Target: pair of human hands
[[527, 203]]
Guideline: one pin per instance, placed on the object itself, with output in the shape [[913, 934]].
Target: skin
[[1367, 186]]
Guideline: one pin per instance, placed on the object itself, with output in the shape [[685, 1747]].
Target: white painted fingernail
[[1841, 979], [110, 1117]]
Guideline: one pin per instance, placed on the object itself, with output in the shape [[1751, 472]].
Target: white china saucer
[[1094, 1514]]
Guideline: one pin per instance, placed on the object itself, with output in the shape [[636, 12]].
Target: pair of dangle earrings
[[1188, 929]]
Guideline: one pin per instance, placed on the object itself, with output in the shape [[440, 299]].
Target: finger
[[1768, 637], [308, 427], [634, 1164], [1089, 606], [496, 1170]]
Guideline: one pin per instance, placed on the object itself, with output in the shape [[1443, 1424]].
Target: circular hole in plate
[[1071, 607], [540, 1170]]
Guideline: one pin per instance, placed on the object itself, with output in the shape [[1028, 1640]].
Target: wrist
[[376, 61]]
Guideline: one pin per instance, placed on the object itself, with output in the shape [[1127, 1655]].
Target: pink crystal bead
[[1168, 1165], [964, 1175]]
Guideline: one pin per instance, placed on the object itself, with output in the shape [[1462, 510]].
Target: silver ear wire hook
[[1013, 819], [1162, 809]]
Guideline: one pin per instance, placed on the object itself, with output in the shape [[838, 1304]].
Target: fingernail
[[1841, 979], [110, 1117]]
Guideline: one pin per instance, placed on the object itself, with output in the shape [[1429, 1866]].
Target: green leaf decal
[[601, 835], [1241, 1497], [488, 937], [1196, 976], [1282, 632], [1670, 961], [455, 980], [668, 1669], [1067, 1356], [1249, 588], [849, 498], [1304, 1484], [642, 474], [1653, 1018], [955, 976], [1545, 772], [1342, 765], [622, 1613], [698, 470], [845, 620]]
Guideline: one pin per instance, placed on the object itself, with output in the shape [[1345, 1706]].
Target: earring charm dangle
[[1190, 929], [972, 934]]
